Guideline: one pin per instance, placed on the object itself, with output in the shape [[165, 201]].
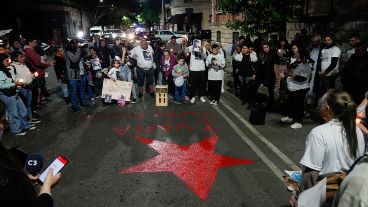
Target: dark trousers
[[197, 83], [296, 104], [246, 87], [170, 84], [236, 81], [327, 83], [214, 88]]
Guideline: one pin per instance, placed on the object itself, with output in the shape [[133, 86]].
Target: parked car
[[113, 33], [96, 30], [165, 35]]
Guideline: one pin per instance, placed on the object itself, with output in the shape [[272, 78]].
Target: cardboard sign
[[116, 89]]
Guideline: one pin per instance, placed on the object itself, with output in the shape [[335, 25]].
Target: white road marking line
[[246, 139], [281, 155]]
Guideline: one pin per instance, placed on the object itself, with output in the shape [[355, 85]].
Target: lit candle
[[36, 74], [21, 80]]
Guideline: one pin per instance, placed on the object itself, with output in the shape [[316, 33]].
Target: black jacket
[[60, 68], [245, 66]]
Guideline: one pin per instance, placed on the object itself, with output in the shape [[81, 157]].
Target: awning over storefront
[[177, 19], [181, 18]]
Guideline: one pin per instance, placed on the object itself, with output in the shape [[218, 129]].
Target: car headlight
[[131, 36], [114, 35], [80, 34]]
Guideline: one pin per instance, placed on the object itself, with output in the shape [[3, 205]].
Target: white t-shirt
[[114, 73], [22, 73], [304, 70], [215, 72], [144, 57], [327, 150], [326, 57], [96, 65], [196, 60], [353, 190]]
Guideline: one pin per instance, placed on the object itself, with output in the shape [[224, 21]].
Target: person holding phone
[[16, 186]]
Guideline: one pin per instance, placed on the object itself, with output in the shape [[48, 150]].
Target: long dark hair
[[343, 109], [15, 186], [2, 66]]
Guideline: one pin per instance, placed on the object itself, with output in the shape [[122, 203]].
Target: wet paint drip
[[196, 165]]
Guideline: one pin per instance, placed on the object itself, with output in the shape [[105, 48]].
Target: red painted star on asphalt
[[196, 165]]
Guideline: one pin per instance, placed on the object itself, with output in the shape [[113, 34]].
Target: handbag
[[263, 90]]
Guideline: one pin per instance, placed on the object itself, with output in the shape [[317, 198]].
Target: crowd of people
[[301, 72]]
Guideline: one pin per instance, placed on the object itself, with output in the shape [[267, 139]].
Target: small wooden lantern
[[161, 94]]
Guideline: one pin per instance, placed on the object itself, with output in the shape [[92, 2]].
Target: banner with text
[[116, 89]]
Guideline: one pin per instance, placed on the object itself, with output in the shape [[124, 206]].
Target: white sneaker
[[192, 100], [296, 125], [215, 103], [212, 102], [202, 99], [287, 120]]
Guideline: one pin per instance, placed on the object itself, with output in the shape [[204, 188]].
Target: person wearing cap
[[21, 73], [15, 108], [174, 48]]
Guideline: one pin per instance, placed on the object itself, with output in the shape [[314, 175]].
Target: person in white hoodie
[[197, 70], [216, 63], [21, 73]]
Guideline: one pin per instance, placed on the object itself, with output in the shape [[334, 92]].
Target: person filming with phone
[[17, 186]]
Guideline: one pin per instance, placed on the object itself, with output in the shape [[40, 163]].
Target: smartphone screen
[[56, 165]]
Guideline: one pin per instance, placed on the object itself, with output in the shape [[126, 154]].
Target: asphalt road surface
[[181, 155]]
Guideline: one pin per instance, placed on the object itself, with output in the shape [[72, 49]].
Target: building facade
[[186, 15], [340, 17], [45, 20], [220, 32]]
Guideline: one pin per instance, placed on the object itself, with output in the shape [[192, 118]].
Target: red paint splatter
[[121, 132], [196, 165], [182, 125]]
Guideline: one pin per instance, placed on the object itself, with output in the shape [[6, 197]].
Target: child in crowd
[[216, 63], [180, 73], [126, 74], [114, 72]]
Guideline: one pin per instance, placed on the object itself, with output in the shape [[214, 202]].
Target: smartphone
[[57, 165]]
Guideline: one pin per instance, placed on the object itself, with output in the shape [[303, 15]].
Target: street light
[[101, 1]]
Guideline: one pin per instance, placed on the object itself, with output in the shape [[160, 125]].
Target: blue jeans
[[27, 95], [180, 92], [87, 87], [64, 90], [17, 113], [126, 75], [77, 90]]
